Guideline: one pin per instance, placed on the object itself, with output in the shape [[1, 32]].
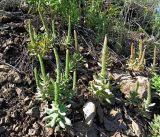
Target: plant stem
[[58, 65], [67, 64], [77, 51], [137, 86], [43, 22], [154, 57], [53, 30], [67, 49], [31, 33], [148, 101], [104, 58], [42, 68], [142, 60], [140, 49], [56, 93], [76, 42], [74, 80], [132, 57], [36, 77], [69, 32]]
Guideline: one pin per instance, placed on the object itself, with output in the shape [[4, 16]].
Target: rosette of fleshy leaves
[[101, 88], [43, 86], [101, 84], [56, 116], [40, 43], [155, 126], [43, 81], [76, 61], [147, 103]]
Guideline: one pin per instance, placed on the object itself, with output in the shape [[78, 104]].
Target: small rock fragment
[[100, 113], [136, 128], [2, 129], [31, 132], [19, 91], [82, 130], [34, 112], [49, 131], [1, 101], [110, 125], [128, 85], [89, 110]]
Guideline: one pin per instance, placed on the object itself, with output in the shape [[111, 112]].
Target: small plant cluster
[[155, 126], [137, 64], [134, 97], [134, 100], [101, 83], [59, 91], [41, 43], [156, 83]]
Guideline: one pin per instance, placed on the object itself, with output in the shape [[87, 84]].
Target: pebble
[[34, 112], [31, 132], [89, 110], [1, 101], [2, 129]]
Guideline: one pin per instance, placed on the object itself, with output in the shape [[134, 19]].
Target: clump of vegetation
[[100, 85], [156, 83], [137, 64], [60, 90], [147, 104], [134, 97], [155, 126], [42, 81], [39, 43]]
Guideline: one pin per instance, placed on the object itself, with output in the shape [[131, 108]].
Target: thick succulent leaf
[[53, 121], [67, 121], [61, 124]]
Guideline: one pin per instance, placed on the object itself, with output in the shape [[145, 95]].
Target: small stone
[[14, 114], [49, 131], [31, 132], [7, 119], [89, 110], [19, 91], [100, 113], [34, 112], [31, 104], [110, 125], [14, 77], [1, 101], [128, 85], [136, 128], [2, 120], [26, 100], [2, 129], [16, 129], [116, 114], [82, 130]]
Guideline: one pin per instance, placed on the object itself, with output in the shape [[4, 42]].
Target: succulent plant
[[156, 83], [56, 116], [134, 96], [137, 64], [155, 126], [147, 104], [100, 85], [42, 82]]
